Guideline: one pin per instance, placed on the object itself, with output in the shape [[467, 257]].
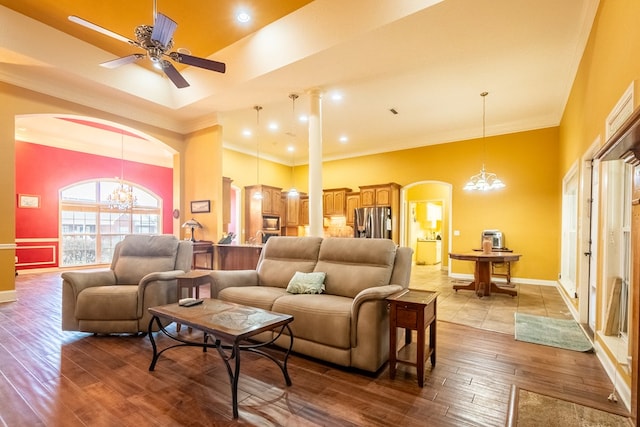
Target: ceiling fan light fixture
[[157, 41]]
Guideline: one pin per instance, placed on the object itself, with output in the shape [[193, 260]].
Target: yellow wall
[[611, 63], [527, 210], [203, 155]]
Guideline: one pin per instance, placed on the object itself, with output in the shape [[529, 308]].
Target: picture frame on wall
[[28, 201], [201, 206]]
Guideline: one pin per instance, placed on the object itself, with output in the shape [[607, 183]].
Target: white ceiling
[[427, 59]]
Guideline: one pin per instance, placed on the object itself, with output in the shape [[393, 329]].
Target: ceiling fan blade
[[122, 61], [174, 75], [100, 29], [163, 29], [198, 62]]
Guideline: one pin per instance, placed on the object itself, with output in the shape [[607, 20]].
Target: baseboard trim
[[519, 280], [8, 296]]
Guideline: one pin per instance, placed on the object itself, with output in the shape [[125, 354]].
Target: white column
[[315, 163]]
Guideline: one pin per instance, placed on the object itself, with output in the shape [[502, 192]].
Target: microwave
[[271, 223], [496, 237]]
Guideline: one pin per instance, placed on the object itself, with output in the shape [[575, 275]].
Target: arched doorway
[[54, 151], [426, 221]]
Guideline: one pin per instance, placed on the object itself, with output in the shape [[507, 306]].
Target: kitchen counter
[[237, 257]]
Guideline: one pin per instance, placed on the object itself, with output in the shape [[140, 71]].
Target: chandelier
[[484, 181], [122, 197]]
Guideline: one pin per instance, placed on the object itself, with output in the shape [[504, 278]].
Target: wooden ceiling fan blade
[[207, 64], [102, 30], [174, 75], [163, 29], [122, 61]]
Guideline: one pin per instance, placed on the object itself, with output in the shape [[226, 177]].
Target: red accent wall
[[43, 171]]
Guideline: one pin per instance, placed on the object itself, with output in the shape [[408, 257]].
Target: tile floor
[[494, 313]]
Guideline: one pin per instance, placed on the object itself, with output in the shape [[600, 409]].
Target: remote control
[[189, 302]]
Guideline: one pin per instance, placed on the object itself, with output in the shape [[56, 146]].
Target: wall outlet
[[456, 232]]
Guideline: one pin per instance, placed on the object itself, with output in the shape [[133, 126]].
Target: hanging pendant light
[[122, 197], [293, 192], [258, 194], [484, 181]]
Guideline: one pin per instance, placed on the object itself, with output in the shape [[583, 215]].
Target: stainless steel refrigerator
[[372, 223]]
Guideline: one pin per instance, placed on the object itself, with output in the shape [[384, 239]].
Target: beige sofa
[[116, 300], [348, 324]]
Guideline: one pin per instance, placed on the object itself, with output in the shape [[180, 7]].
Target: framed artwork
[[28, 201], [200, 206]]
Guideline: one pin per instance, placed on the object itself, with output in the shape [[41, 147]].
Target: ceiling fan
[[157, 40]]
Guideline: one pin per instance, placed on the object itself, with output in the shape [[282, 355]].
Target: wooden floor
[[54, 378]]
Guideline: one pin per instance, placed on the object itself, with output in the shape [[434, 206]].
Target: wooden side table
[[192, 281], [414, 310], [203, 247]]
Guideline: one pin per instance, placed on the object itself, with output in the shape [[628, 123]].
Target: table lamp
[[193, 224]]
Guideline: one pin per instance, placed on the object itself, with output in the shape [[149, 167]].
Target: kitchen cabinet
[[380, 195], [333, 201], [237, 257], [292, 209], [257, 210], [272, 199], [304, 210], [352, 203], [428, 252]]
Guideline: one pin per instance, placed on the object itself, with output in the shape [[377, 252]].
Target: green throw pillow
[[306, 283]]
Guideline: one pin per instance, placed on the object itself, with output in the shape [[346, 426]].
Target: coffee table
[[227, 327]]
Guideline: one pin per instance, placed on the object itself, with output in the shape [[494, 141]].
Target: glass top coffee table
[[227, 328]]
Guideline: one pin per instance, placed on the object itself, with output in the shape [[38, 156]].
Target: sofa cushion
[[320, 318], [354, 264], [140, 255], [282, 256], [306, 283], [255, 296]]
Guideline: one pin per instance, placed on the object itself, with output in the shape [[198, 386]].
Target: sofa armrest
[[74, 282], [376, 293], [157, 288], [80, 280], [221, 279], [160, 276]]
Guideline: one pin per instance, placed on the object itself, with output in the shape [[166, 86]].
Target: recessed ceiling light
[[336, 96], [303, 119], [344, 139], [291, 148], [243, 16], [246, 132], [273, 126]]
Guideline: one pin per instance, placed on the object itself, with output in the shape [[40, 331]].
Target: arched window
[[90, 227]]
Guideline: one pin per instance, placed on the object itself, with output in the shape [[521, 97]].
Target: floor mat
[[559, 333]]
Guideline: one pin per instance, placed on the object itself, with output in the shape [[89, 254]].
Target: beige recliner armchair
[[142, 274]]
